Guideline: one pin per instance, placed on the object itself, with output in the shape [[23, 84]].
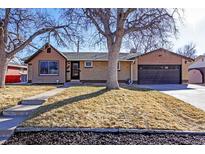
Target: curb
[[108, 130]]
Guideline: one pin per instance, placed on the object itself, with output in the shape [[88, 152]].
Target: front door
[[75, 70]]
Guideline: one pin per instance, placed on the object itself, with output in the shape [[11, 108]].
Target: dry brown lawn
[[11, 95], [95, 107]]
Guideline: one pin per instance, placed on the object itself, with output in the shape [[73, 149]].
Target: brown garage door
[[159, 74]]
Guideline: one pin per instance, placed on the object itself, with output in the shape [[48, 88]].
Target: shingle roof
[[167, 51], [84, 55], [96, 56]]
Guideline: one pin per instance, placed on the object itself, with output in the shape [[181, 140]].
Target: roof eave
[[166, 51], [94, 60], [41, 50]]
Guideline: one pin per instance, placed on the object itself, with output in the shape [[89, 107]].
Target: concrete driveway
[[193, 94]]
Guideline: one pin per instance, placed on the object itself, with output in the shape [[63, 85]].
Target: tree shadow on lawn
[[137, 88], [55, 105]]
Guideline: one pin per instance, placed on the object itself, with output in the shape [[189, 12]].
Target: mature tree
[[117, 26], [143, 44], [189, 50], [19, 27]]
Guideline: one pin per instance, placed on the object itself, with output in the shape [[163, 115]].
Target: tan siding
[[36, 78], [185, 67], [159, 57], [99, 71], [124, 72]]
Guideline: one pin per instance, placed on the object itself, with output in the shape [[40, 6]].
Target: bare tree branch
[[188, 50], [30, 39], [88, 14]]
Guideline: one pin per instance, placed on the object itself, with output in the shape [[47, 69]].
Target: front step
[[73, 83], [32, 102], [20, 110]]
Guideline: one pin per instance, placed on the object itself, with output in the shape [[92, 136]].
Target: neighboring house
[[48, 65], [197, 70], [16, 73]]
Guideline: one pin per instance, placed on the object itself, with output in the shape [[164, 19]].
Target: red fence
[[13, 78]]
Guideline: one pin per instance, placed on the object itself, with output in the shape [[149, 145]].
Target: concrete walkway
[[14, 116], [190, 93]]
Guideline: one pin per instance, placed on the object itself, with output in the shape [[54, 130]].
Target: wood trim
[[43, 49]]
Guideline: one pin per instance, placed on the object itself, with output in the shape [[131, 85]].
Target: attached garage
[[162, 67], [159, 74]]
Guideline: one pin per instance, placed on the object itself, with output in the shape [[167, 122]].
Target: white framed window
[[48, 67], [88, 64], [118, 66]]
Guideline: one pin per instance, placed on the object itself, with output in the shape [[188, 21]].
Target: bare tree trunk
[[112, 80], [3, 59], [3, 68], [113, 53]]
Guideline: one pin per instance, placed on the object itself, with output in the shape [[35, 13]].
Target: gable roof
[[200, 57], [84, 55], [97, 56], [28, 59], [162, 49]]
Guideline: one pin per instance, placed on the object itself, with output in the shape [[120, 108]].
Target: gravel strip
[[91, 138]]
